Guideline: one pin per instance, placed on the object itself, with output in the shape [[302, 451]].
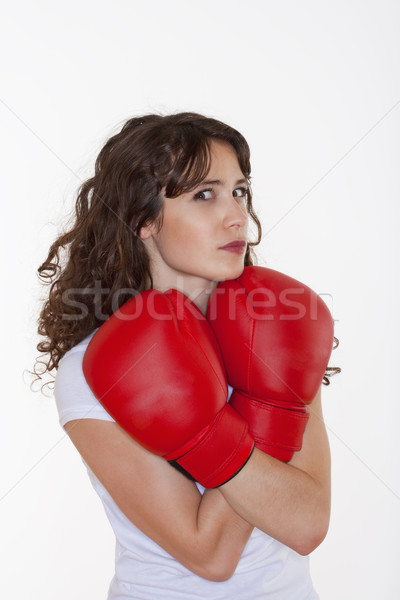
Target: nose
[[236, 216]]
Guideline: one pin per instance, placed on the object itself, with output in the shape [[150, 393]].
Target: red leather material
[[276, 337], [156, 367], [228, 439], [276, 431]]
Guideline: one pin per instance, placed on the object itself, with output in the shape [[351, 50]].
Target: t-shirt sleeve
[[74, 398]]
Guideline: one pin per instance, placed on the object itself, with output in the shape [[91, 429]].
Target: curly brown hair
[[100, 262]]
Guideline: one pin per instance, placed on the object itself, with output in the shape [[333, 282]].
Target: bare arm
[[290, 502], [202, 532]]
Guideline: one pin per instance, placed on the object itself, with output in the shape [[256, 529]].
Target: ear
[[146, 232]]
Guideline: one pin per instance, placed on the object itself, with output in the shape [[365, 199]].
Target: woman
[[169, 197]]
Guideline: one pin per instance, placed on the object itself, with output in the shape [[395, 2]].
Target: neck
[[201, 296], [196, 289]]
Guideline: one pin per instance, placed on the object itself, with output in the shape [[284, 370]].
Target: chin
[[231, 273]]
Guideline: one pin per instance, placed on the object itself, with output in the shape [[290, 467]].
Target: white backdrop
[[315, 88]]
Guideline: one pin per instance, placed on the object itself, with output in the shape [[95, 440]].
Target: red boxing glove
[[156, 367], [276, 337]]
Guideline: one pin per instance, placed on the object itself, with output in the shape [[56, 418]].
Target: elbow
[[218, 572], [217, 563], [312, 537], [315, 525], [306, 546], [214, 576]]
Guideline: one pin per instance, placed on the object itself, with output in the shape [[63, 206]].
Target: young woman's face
[[204, 231]]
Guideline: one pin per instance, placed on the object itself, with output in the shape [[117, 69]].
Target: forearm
[[221, 536], [281, 500], [203, 532], [290, 502]]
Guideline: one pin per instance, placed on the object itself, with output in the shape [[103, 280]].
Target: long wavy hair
[[100, 262]]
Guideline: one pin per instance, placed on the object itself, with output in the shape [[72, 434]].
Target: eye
[[204, 194], [240, 192]]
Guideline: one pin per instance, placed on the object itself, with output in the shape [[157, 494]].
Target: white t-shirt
[[267, 570]]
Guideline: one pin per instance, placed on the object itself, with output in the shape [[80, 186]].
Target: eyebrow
[[219, 182]]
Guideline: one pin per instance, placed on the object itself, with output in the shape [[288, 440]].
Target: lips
[[238, 246]]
